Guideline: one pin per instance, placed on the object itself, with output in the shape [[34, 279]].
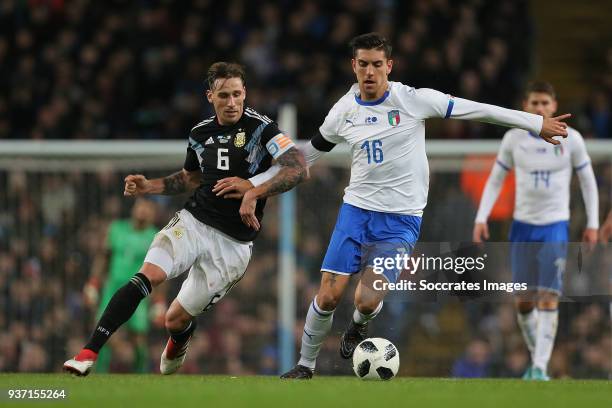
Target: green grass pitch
[[223, 391]]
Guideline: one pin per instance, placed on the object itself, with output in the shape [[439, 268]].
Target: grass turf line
[[214, 391]]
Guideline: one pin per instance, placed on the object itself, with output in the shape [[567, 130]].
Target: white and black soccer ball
[[376, 359]]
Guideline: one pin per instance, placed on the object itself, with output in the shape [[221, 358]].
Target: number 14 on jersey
[[373, 150]]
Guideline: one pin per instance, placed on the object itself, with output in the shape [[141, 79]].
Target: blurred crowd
[[122, 69]]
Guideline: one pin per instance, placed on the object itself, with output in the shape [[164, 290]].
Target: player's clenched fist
[[136, 184]]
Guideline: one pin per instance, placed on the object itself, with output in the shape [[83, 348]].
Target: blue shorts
[[538, 254], [362, 235]]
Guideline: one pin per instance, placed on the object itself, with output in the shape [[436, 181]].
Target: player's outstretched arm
[[183, 181], [292, 171], [430, 103], [547, 128]]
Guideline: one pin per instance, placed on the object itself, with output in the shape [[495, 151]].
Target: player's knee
[[154, 273], [327, 300]]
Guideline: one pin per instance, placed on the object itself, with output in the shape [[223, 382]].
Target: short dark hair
[[370, 41], [224, 70], [540, 87]]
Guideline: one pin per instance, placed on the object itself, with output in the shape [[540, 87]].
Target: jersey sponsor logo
[[371, 120], [209, 141], [394, 117], [239, 139], [224, 138], [541, 150]]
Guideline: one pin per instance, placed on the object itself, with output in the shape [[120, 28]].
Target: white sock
[[528, 322], [545, 337], [318, 323], [361, 318]]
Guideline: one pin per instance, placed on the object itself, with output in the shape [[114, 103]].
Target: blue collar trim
[[372, 103]]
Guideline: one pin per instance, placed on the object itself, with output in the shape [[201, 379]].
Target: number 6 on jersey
[[222, 161]]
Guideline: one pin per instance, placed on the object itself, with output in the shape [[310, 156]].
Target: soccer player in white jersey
[[539, 232], [384, 124]]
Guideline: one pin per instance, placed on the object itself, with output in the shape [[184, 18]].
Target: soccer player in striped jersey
[[211, 237], [539, 232], [384, 124]]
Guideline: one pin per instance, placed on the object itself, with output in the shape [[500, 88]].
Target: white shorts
[[216, 262]]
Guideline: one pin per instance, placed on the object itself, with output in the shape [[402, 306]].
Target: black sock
[[182, 336], [121, 307]]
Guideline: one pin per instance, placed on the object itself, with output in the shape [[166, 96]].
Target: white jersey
[[389, 170], [543, 173]]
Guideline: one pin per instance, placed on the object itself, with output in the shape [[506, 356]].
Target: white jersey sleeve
[[579, 155], [496, 178], [427, 103], [504, 155], [424, 103], [588, 184], [337, 116]]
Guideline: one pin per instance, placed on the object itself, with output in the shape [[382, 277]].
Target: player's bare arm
[[232, 187], [178, 183], [292, 172]]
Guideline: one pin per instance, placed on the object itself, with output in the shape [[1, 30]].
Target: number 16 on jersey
[[373, 150]]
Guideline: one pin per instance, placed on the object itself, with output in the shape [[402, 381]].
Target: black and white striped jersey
[[240, 150]]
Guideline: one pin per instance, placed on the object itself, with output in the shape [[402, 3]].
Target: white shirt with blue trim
[[543, 174], [389, 170]]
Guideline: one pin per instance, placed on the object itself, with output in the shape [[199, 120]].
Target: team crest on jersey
[[178, 232], [394, 117], [558, 149], [240, 139], [224, 138]]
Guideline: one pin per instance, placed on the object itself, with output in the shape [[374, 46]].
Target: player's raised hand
[[135, 184], [554, 127], [481, 232], [232, 187], [247, 211]]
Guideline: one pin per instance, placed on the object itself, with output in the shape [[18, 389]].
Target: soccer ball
[[376, 359]]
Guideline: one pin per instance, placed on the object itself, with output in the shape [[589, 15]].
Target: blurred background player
[[212, 236], [541, 214], [125, 247], [384, 124]]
